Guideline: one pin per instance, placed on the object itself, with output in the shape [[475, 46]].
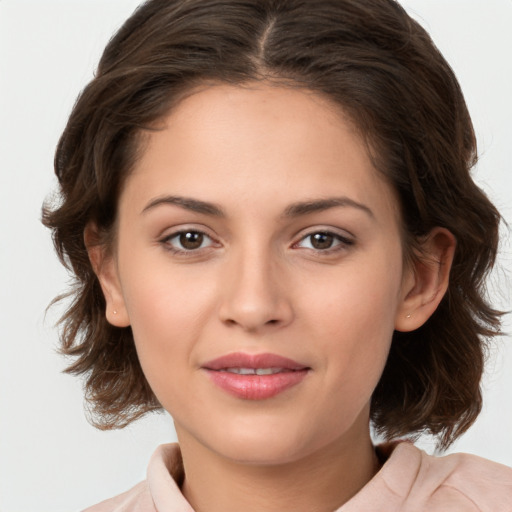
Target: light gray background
[[50, 457]]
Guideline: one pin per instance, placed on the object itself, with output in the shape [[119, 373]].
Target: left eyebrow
[[186, 203], [307, 207]]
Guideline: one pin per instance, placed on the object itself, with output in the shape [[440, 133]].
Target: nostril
[[231, 322]]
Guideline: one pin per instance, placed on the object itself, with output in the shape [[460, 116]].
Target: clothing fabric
[[409, 481]]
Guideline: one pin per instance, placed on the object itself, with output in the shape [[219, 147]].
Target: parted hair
[[367, 57]]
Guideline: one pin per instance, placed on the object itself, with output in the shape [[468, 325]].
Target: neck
[[319, 482]]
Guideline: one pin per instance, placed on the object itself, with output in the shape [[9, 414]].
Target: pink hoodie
[[409, 481]]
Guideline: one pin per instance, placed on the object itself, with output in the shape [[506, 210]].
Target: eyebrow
[[294, 210], [188, 204], [307, 207]]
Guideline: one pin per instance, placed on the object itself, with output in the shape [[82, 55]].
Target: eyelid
[[175, 232], [345, 239]]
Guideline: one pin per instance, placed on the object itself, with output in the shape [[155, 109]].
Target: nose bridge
[[254, 295]]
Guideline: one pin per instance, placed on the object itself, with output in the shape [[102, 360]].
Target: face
[[259, 264]]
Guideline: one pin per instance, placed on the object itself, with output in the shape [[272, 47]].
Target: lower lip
[[256, 387]]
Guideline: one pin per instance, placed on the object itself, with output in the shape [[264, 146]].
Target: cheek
[[358, 318], [353, 301], [166, 312]]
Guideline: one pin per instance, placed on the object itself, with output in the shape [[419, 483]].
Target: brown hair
[[381, 67]]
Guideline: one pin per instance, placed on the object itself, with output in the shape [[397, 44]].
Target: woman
[[268, 208]]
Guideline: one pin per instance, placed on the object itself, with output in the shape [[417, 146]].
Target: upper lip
[[241, 360]]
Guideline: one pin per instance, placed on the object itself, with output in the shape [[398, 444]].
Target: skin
[[257, 283]]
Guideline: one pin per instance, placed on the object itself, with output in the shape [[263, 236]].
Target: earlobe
[[426, 282], [105, 268]]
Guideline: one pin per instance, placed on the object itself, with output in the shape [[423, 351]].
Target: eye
[[188, 241], [324, 241]]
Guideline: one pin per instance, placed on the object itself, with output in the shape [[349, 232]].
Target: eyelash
[[166, 241], [340, 242]]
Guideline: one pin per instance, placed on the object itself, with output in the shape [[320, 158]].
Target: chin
[[261, 452], [268, 443]]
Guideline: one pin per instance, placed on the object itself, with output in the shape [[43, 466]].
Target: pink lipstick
[[255, 377]]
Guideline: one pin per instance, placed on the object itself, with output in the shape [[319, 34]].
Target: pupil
[[321, 240], [191, 240]]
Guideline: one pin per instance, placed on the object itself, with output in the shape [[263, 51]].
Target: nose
[[255, 296]]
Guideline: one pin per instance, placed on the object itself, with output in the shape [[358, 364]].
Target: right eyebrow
[[307, 207], [187, 203]]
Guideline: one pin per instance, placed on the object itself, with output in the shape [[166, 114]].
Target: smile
[[255, 377], [256, 371]]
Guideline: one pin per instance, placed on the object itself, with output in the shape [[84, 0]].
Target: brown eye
[[322, 240], [191, 240], [325, 241], [187, 241]]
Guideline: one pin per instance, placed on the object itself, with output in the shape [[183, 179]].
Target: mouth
[[255, 377], [255, 371]]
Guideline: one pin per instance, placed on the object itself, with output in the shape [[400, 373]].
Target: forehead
[[228, 142]]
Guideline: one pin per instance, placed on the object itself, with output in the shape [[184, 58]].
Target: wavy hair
[[381, 67]]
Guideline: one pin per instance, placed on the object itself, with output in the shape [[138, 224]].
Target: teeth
[[268, 371], [241, 371], [254, 371]]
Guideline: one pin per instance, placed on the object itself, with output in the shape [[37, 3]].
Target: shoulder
[[161, 490], [486, 485], [412, 481], [137, 499], [457, 482]]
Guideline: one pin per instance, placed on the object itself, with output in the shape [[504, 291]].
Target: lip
[[289, 373]]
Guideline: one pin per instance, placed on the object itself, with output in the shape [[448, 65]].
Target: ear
[[105, 267], [426, 281]]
